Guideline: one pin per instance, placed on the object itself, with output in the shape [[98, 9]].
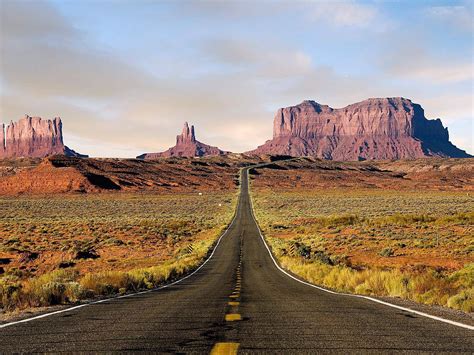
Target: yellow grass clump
[[454, 290]]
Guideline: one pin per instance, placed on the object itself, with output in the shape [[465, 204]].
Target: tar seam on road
[[458, 324], [136, 293]]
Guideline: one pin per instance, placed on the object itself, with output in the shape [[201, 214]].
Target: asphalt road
[[238, 300]]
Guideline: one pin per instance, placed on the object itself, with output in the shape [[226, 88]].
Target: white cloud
[[413, 61], [344, 13], [264, 60], [449, 107], [460, 16]]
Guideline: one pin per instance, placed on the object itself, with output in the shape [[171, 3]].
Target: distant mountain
[[186, 146], [33, 137], [377, 128]]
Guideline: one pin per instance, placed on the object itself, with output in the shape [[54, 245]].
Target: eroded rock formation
[[33, 137], [186, 146], [378, 128]]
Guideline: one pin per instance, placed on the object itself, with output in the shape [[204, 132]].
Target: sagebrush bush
[[463, 300]]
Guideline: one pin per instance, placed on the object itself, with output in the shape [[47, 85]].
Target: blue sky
[[125, 75]]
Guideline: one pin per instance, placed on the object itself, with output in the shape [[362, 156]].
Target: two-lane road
[[237, 300]]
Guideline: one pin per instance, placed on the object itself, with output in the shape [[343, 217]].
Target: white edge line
[[136, 293], [462, 325]]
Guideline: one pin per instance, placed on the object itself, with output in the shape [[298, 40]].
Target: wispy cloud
[[412, 60], [344, 13], [460, 15]]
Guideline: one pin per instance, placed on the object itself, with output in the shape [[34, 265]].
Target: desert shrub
[[464, 218], [387, 252], [48, 289], [322, 257], [304, 251], [114, 241], [331, 221], [406, 219], [84, 250], [9, 294], [463, 300], [104, 283]]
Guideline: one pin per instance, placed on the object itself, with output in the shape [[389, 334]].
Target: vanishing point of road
[[238, 301]]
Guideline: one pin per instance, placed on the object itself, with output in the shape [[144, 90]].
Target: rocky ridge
[[377, 128]]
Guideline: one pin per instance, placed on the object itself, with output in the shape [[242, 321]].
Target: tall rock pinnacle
[[33, 137], [187, 135], [186, 146]]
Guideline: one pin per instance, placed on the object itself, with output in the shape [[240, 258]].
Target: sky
[[125, 75]]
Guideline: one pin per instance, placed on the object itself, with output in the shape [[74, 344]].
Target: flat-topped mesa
[[186, 146], [377, 128], [33, 137]]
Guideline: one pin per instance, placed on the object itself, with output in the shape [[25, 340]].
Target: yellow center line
[[234, 296], [232, 317], [225, 349], [234, 303]]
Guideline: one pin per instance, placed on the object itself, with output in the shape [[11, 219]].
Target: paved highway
[[238, 300]]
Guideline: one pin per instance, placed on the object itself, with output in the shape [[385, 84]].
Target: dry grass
[[66, 248], [409, 244]]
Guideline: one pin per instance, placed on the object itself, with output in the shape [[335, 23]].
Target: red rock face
[[186, 146], [33, 137], [2, 140], [389, 128]]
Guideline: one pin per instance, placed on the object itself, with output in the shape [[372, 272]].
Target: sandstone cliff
[[2, 140], [33, 137], [378, 128], [186, 146]]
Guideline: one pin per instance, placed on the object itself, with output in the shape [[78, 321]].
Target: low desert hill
[[313, 173], [60, 174]]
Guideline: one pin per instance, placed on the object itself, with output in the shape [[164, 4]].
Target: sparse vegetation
[[63, 249], [408, 244]]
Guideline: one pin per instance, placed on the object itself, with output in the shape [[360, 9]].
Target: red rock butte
[[377, 128], [186, 146], [33, 137]]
